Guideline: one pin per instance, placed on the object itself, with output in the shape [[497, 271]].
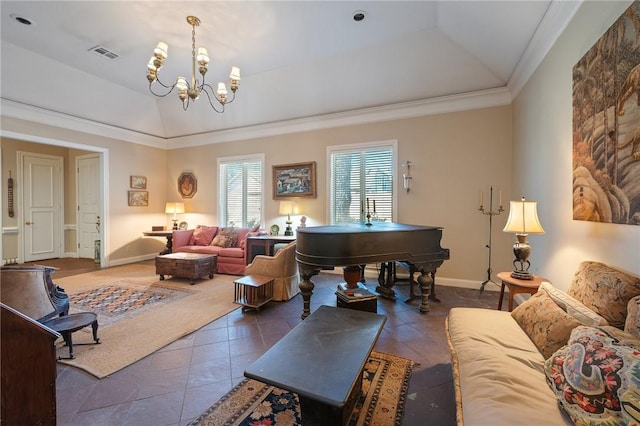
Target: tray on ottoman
[[186, 265]]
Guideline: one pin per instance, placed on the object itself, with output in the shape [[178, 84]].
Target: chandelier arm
[[160, 95], [209, 98]]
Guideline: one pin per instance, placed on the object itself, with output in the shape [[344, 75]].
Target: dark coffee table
[[186, 265], [322, 360], [71, 323]]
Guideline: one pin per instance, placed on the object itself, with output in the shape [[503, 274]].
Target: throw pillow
[[222, 241], [571, 306], [632, 323], [604, 290], [595, 378], [231, 234], [546, 324], [202, 235]]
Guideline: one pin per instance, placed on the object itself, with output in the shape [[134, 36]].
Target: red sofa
[[228, 243]]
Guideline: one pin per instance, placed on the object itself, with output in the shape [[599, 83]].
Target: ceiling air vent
[[104, 52]]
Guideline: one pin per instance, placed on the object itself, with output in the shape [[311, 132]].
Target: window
[[361, 180], [240, 191]]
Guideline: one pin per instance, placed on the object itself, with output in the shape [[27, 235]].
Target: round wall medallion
[[183, 225]]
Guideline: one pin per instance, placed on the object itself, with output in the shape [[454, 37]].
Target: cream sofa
[[516, 368]]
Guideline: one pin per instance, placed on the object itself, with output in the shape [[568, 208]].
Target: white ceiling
[[297, 59]]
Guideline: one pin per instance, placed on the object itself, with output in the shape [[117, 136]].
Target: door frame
[[104, 160]]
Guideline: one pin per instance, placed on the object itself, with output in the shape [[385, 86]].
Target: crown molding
[[441, 105], [553, 24], [48, 117]]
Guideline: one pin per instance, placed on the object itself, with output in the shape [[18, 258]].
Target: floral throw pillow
[[595, 378], [546, 324], [221, 241], [232, 235], [605, 290]]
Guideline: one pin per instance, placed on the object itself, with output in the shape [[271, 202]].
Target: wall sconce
[[406, 177]]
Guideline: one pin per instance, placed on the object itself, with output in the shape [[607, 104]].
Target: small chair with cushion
[[282, 267]]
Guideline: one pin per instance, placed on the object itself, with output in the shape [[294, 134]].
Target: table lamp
[[174, 208], [523, 220], [287, 207]]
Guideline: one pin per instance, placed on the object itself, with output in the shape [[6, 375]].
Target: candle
[[374, 206], [481, 198], [500, 198], [367, 203]]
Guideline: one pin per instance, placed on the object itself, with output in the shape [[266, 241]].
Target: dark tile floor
[[177, 383]]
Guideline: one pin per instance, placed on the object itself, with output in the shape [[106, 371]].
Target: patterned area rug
[[138, 314], [124, 299], [252, 403]]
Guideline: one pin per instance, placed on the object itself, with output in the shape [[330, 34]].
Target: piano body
[[353, 245]]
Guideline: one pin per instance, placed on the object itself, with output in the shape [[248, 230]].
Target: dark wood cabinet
[[28, 370]]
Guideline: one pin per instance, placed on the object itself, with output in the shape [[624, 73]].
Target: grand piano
[[322, 247]]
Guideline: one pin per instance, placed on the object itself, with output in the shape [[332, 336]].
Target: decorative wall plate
[[183, 225], [275, 229]]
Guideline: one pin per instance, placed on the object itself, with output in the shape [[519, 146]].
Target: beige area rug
[[384, 390], [138, 314]]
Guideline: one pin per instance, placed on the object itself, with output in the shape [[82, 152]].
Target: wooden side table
[[263, 244], [253, 291], [167, 234], [516, 286]]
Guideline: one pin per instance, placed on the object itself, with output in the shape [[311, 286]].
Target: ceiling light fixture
[[190, 92]]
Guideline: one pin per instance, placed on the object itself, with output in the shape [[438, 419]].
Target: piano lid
[[358, 244]]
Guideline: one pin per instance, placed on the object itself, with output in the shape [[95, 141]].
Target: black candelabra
[[491, 213]]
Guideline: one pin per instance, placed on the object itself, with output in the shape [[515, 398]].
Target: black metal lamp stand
[[491, 213]]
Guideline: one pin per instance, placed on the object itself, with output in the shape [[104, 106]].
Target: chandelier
[[190, 92]]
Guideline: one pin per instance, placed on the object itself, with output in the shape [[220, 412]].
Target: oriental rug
[[252, 403], [138, 313]]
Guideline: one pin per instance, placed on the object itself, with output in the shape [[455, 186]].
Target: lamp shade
[[174, 208], [286, 207], [523, 218]]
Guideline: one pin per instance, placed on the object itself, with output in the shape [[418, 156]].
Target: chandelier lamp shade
[[190, 91], [522, 221]]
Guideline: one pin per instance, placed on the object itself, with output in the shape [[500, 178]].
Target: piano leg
[[425, 282], [385, 280], [306, 289]]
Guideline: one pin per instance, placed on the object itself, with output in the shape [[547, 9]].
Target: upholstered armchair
[[282, 267]]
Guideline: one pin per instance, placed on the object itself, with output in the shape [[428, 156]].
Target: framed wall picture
[[138, 182], [294, 180], [138, 198], [187, 185]]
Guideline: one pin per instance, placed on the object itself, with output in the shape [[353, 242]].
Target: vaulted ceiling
[[298, 59]]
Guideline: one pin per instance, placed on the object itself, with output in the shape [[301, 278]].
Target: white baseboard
[[134, 259], [371, 273]]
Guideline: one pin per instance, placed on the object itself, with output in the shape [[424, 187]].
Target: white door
[[41, 206], [89, 200]]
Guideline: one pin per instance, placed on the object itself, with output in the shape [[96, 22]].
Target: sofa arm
[[181, 238]]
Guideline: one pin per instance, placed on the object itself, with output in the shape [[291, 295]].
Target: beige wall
[[542, 158], [454, 156], [123, 225]]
